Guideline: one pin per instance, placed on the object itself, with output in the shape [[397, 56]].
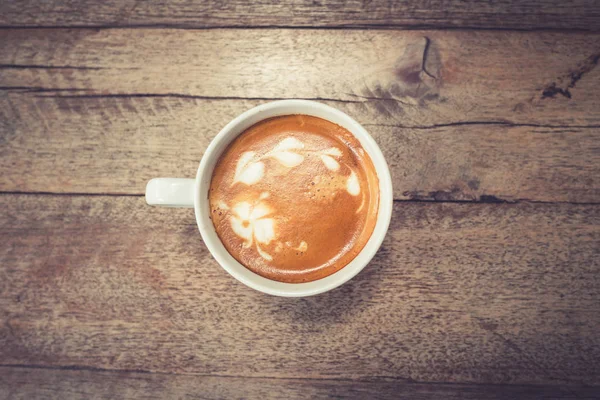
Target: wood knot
[[563, 84], [413, 80], [418, 71]]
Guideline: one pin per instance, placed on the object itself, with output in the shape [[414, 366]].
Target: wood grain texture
[[104, 297], [115, 145], [455, 121], [27, 383], [412, 78], [485, 293], [505, 14]]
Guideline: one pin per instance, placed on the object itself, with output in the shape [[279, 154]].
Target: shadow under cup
[[220, 144]]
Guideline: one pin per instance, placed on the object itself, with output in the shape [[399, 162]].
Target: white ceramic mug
[[177, 192]]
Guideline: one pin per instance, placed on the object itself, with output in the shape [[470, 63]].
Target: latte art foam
[[294, 198]]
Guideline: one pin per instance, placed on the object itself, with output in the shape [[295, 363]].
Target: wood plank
[[411, 78], [115, 145], [26, 383], [457, 121], [459, 292], [515, 14]]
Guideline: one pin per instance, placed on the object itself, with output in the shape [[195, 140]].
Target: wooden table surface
[[486, 287]]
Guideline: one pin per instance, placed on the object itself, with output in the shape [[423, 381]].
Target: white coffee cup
[[177, 192]]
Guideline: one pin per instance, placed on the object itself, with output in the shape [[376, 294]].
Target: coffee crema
[[294, 198]]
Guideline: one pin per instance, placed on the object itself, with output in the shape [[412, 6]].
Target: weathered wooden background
[[487, 286]]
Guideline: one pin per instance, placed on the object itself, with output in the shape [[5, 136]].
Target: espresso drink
[[294, 198]]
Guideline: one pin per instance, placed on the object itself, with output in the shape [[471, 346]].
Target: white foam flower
[[284, 154], [330, 162], [288, 158], [249, 223], [248, 172], [244, 159], [240, 224], [352, 184], [327, 156], [289, 143]]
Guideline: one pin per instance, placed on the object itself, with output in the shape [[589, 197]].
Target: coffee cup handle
[[170, 192]]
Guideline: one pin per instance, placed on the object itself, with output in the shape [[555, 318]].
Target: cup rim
[[202, 210]]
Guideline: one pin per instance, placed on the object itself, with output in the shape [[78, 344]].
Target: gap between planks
[[353, 27], [485, 199], [373, 379], [26, 89]]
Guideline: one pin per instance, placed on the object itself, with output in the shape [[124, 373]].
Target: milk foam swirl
[[250, 220], [294, 198]]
